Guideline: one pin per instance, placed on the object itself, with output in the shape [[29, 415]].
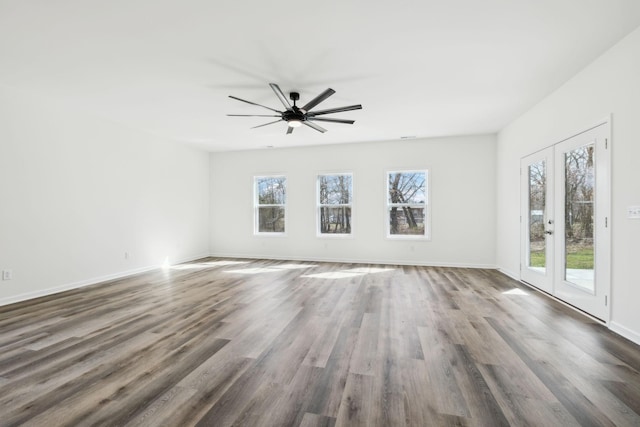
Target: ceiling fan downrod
[[294, 96], [294, 117]]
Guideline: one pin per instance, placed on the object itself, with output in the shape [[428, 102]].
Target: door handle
[[549, 232]]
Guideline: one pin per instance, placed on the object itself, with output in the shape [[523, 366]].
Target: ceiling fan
[[297, 116]]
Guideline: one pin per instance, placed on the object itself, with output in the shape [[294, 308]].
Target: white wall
[[76, 193], [610, 85], [462, 173]]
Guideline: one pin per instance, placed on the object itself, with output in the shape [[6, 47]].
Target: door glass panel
[[537, 214], [578, 218]]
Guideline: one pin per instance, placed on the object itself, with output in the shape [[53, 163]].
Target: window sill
[[274, 234], [334, 236], [407, 237]]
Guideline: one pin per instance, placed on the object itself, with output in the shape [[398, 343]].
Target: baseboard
[[191, 258], [355, 261], [88, 282], [625, 332]]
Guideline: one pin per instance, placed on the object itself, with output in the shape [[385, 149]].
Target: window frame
[[426, 206], [319, 206], [257, 206]]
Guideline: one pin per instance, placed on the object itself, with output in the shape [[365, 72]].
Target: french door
[[565, 221]]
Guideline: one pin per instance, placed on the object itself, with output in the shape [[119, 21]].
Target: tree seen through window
[[270, 204], [407, 203], [335, 194]]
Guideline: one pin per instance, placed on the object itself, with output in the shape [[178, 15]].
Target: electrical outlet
[[126, 255], [7, 275], [633, 212]]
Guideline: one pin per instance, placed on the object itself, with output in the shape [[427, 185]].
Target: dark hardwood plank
[[519, 404], [357, 405], [578, 405], [315, 420], [483, 406], [276, 343]]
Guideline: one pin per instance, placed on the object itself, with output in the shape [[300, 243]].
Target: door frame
[[603, 209]]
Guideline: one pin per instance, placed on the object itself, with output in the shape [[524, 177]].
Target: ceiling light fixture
[[294, 123]]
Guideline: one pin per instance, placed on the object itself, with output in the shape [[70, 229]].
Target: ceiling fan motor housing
[[294, 114]]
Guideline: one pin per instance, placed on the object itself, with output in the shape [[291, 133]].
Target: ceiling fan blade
[[320, 119], [266, 124], [315, 126], [289, 130], [318, 99], [253, 103], [253, 115], [280, 96], [335, 110]]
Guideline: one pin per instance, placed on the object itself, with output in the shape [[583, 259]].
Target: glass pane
[[335, 220], [335, 189], [579, 198], [406, 221], [537, 214], [407, 187], [271, 220], [271, 190]]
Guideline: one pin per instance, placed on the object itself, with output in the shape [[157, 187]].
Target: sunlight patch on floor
[[352, 272], [294, 266], [515, 291], [271, 269], [334, 275], [255, 270], [368, 270]]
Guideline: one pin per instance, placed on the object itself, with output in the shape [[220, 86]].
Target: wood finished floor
[[234, 342]]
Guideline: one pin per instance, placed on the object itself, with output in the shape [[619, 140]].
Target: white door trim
[[603, 222]]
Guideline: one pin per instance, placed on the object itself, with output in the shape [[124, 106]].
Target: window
[[270, 204], [407, 208], [335, 195]]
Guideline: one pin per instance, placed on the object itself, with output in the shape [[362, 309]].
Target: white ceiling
[[419, 68]]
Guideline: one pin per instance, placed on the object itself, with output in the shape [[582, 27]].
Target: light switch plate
[[633, 212]]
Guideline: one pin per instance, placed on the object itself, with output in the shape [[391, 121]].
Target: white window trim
[[256, 207], [318, 206], [427, 206]]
